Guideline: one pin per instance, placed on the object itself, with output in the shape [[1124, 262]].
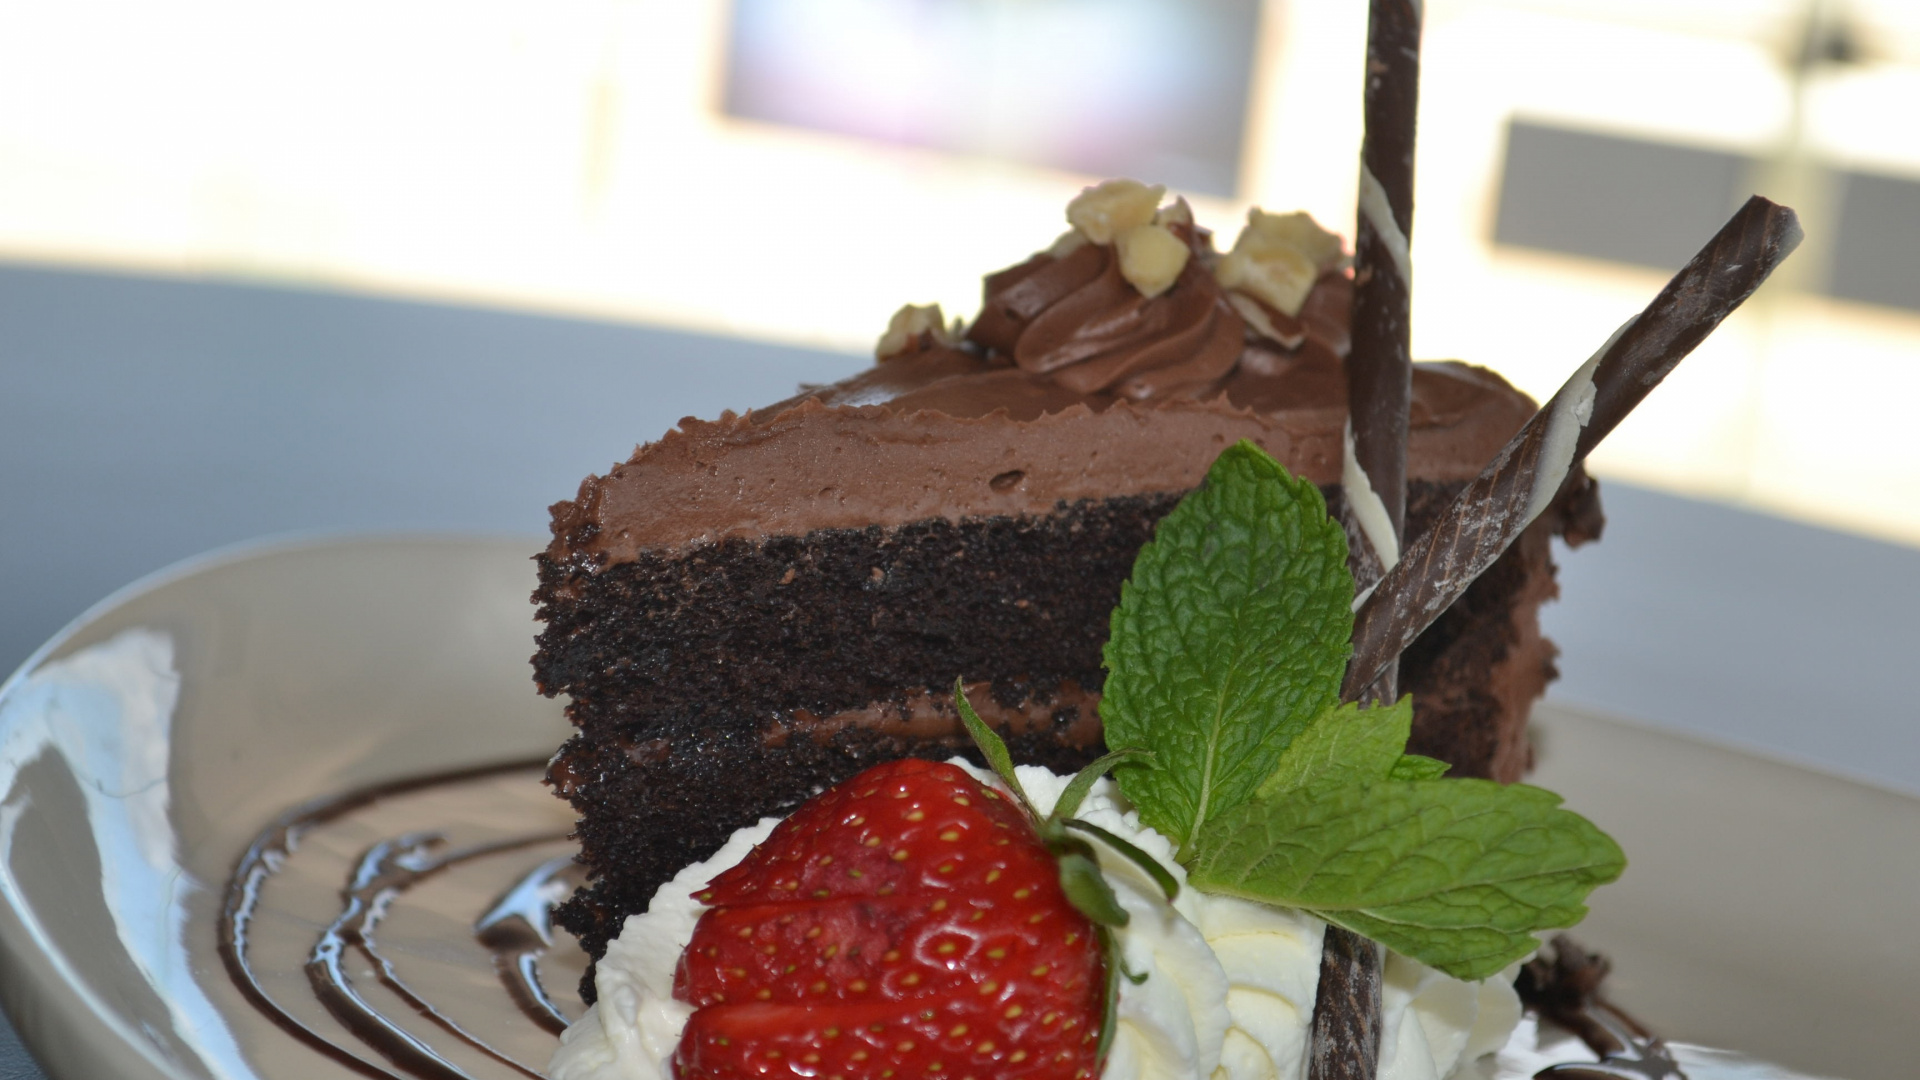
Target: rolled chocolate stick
[[1345, 1030], [1380, 362], [1526, 475], [1344, 1039]]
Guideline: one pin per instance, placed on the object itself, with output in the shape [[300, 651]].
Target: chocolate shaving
[[1523, 479], [1561, 983], [1562, 986]]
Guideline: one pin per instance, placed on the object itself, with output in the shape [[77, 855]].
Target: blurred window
[[1648, 203], [1877, 251], [1155, 89], [1625, 200]]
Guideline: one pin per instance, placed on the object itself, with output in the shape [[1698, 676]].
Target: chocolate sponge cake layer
[[742, 633], [732, 681]]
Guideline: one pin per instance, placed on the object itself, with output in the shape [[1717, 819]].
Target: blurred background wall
[[792, 170]]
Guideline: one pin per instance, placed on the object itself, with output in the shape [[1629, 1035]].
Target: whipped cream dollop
[[1228, 994]]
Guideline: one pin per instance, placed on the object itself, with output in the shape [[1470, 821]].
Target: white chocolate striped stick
[[1344, 1033], [1523, 479]]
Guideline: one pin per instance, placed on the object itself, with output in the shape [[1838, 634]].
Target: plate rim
[[240, 551]]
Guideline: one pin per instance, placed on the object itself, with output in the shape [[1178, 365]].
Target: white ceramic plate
[[144, 750]]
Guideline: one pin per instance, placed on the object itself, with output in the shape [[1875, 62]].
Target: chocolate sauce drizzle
[[515, 928], [388, 869], [1639, 1057]]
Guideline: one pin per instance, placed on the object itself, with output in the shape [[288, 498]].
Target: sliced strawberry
[[906, 923]]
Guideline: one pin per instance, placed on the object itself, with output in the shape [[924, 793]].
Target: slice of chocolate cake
[[754, 608]]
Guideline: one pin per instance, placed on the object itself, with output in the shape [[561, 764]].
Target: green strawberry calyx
[[1080, 878]]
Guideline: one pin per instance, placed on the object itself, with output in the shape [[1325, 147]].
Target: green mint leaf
[[1457, 874], [1347, 745], [1470, 953], [1231, 636], [1416, 767]]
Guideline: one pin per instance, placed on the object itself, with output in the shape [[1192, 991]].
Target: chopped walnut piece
[[1277, 258], [1151, 258], [1112, 207], [1176, 212], [912, 323]]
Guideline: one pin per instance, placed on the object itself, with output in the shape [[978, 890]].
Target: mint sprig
[[1455, 873], [1230, 637], [1225, 662]]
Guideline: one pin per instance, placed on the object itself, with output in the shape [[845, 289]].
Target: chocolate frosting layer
[[935, 435], [1071, 385]]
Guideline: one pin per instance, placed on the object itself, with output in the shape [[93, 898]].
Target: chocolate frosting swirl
[[1076, 318]]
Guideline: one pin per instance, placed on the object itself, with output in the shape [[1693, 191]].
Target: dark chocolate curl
[[1493, 510]]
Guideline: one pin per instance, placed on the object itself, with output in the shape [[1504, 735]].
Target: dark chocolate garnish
[[1380, 366], [1344, 1038], [1345, 1035], [1498, 505], [1562, 985]]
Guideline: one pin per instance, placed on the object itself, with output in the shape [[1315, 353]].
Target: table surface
[[145, 420]]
